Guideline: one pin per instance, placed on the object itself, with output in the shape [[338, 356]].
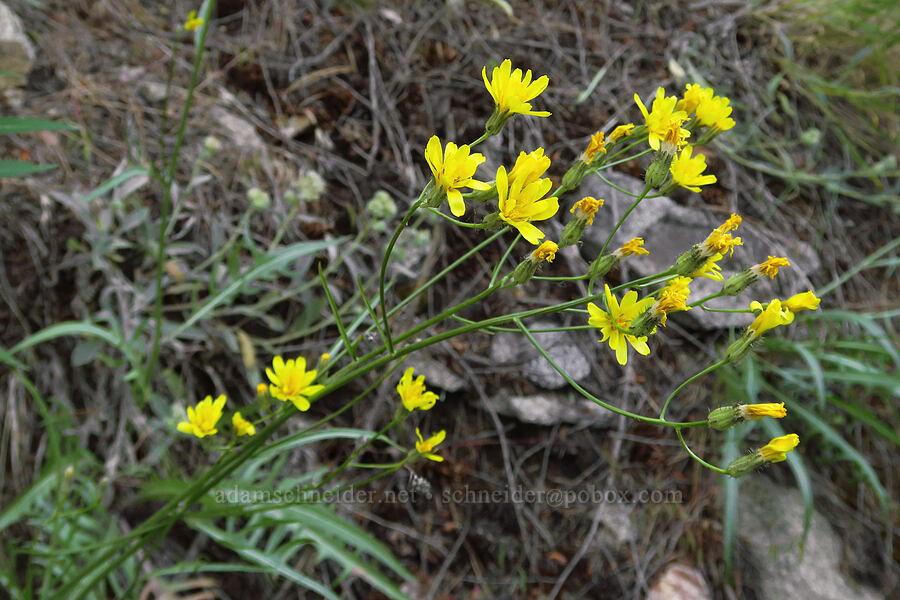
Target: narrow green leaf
[[113, 182], [17, 168], [862, 414], [10, 125], [270, 263], [78, 328], [253, 555]]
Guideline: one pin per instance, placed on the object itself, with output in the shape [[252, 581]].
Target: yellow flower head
[[425, 447], [202, 419], [755, 412], [546, 251], [672, 297], [511, 90], [619, 318], [777, 449], [714, 112], [687, 171], [721, 243], [660, 117], [693, 95], [710, 269], [634, 246], [262, 389], [413, 393], [595, 146], [520, 204], [802, 301], [730, 224], [193, 22], [620, 132], [587, 207], [291, 381], [770, 267], [770, 318], [241, 425], [453, 169], [675, 136], [529, 167]]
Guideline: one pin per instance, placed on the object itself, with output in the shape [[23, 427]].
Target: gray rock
[[553, 408], [681, 582], [16, 52], [771, 522], [437, 375], [564, 347], [669, 230]]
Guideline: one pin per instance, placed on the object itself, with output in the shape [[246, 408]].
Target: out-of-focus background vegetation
[[351, 91]]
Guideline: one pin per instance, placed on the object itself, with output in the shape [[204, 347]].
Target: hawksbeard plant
[[521, 202]]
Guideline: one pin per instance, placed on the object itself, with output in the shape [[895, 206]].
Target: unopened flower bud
[[211, 145], [381, 206], [724, 417], [259, 199], [602, 265], [310, 187], [493, 222], [658, 171]]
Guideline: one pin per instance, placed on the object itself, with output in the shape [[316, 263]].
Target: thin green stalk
[[709, 369], [337, 314], [503, 258], [625, 216], [591, 397], [697, 458], [710, 297], [168, 180], [456, 222], [282, 229], [384, 264]]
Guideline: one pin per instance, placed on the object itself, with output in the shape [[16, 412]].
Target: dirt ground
[[352, 91]]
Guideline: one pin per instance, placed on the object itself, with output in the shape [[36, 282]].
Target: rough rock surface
[[567, 349], [771, 522], [552, 408], [680, 582], [669, 230], [16, 52]]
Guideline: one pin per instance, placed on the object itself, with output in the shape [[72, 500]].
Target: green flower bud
[[658, 171], [572, 178], [691, 261], [738, 283], [493, 222], [258, 198], [602, 265], [739, 348], [572, 233], [310, 187], [745, 464], [724, 418]]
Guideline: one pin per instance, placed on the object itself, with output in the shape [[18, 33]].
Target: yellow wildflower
[[546, 251], [770, 267], [241, 425], [755, 412], [659, 118], [634, 246], [511, 90], [730, 223], [529, 167], [619, 318], [291, 381], [413, 394], [770, 318], [595, 146], [710, 269], [520, 204], [262, 389], [802, 301], [722, 243], [675, 137], [193, 21], [714, 112], [693, 95], [672, 297], [425, 447], [620, 132], [777, 449], [687, 171], [202, 419], [453, 169], [587, 207]]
